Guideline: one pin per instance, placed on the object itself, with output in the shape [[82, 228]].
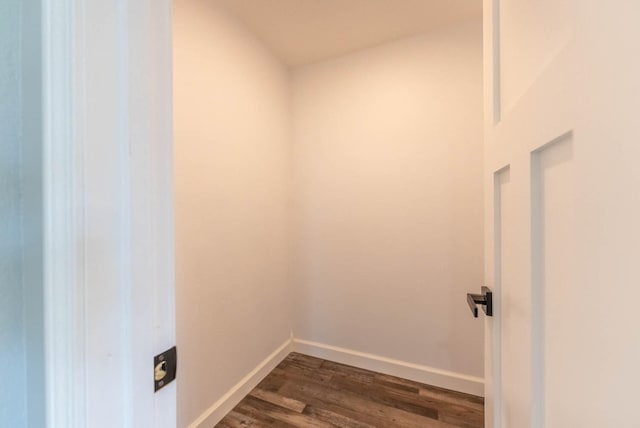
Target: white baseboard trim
[[228, 401], [416, 372]]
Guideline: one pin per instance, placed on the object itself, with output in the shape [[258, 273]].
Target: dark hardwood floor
[[309, 392]]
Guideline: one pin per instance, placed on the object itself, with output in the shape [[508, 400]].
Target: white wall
[[32, 206], [12, 340], [21, 314], [389, 205], [232, 174]]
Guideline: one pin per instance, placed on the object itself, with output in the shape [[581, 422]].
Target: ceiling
[[305, 31]]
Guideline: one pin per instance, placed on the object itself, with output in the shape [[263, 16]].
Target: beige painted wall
[[385, 146], [388, 195], [232, 141]]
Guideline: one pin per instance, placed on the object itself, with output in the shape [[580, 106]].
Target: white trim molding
[[62, 183], [109, 298], [416, 372], [228, 401]]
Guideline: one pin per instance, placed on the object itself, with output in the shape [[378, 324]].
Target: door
[[562, 207]]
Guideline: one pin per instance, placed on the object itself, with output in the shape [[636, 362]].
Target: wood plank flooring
[[309, 392]]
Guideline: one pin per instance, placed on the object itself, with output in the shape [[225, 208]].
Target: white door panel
[[552, 248], [532, 33], [562, 99]]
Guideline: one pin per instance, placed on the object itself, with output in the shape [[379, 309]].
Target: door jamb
[[62, 217]]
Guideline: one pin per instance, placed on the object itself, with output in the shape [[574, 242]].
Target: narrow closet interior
[[329, 191]]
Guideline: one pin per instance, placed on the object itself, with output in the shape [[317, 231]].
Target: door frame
[[133, 308], [63, 199]]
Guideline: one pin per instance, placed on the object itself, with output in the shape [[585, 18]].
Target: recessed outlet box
[[164, 368]]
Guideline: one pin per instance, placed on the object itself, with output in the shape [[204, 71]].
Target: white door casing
[[561, 100], [107, 149]]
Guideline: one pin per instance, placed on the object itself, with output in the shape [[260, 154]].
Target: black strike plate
[[164, 368]]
